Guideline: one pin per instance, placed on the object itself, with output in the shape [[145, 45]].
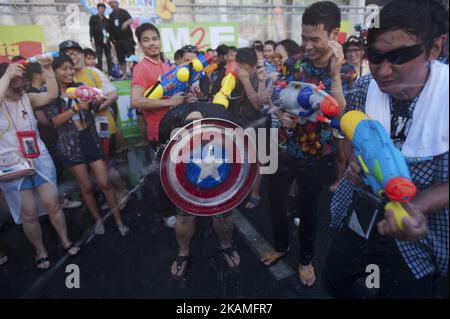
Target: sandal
[[271, 257], [229, 256], [252, 202], [70, 248], [181, 271], [40, 262], [3, 259], [307, 275]]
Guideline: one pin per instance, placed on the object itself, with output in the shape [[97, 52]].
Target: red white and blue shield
[[209, 167]]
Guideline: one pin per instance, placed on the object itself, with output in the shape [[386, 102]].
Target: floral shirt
[[311, 141]]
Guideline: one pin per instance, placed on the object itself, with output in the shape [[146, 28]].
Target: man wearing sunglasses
[[408, 93]]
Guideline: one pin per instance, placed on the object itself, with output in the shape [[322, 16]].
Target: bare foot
[[179, 266]]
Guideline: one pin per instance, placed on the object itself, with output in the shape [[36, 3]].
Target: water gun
[[180, 78], [385, 169], [210, 68], [34, 59], [227, 86], [84, 92], [305, 100]]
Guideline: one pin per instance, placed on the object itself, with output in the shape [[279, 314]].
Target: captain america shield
[[209, 167]]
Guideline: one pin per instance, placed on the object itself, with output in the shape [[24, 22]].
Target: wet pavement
[[137, 266]]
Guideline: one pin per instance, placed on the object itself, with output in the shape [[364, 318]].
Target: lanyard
[[24, 113]]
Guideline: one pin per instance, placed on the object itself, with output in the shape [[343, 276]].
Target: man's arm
[[244, 77], [91, 28], [139, 101], [42, 99], [335, 71]]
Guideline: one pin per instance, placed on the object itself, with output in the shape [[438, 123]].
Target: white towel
[[428, 135]]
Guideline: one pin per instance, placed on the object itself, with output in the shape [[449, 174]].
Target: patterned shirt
[[431, 253], [311, 141], [68, 135]]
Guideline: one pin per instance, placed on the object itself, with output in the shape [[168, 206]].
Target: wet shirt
[[311, 141], [68, 135]]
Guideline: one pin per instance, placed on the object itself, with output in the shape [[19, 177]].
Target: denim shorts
[[33, 181]]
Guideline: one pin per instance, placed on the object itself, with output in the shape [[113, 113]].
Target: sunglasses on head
[[397, 56], [189, 49]]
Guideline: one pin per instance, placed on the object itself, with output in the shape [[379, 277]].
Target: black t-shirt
[[240, 106], [116, 20], [175, 118], [96, 26]]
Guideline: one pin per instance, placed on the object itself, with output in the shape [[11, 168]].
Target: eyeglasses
[[189, 49], [72, 53], [397, 56]]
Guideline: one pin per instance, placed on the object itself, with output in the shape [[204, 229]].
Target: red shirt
[[145, 75]]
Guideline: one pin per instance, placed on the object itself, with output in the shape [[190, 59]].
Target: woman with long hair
[[79, 144]]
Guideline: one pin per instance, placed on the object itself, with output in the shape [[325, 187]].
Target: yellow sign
[[24, 40]]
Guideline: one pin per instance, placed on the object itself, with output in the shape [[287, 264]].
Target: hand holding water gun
[[36, 58], [385, 169], [180, 78], [85, 93], [304, 100], [227, 86]]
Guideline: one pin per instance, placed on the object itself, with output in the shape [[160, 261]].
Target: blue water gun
[[180, 78], [384, 167]]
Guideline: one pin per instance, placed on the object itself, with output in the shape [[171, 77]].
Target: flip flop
[[228, 254], [307, 275], [41, 261], [253, 201], [181, 272], [275, 260], [72, 246], [3, 259]]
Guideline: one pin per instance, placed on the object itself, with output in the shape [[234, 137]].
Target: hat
[[132, 58], [69, 44]]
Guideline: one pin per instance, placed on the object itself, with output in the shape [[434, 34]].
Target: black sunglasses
[[397, 56]]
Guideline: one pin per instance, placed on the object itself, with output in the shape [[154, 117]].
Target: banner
[[203, 35], [126, 115], [153, 11], [25, 40]]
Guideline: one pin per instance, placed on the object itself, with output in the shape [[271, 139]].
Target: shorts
[[33, 181], [89, 150], [186, 214], [124, 48]]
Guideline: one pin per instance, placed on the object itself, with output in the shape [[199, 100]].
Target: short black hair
[[32, 69], [424, 19], [271, 42], [232, 48], [258, 47], [101, 5], [58, 61], [222, 49], [144, 27], [89, 51], [178, 54], [246, 56], [292, 48], [323, 12]]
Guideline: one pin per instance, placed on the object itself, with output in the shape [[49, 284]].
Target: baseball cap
[[69, 44]]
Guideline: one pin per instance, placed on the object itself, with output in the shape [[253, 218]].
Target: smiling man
[[408, 93]]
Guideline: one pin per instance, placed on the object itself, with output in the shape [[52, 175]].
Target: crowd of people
[[394, 73]]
